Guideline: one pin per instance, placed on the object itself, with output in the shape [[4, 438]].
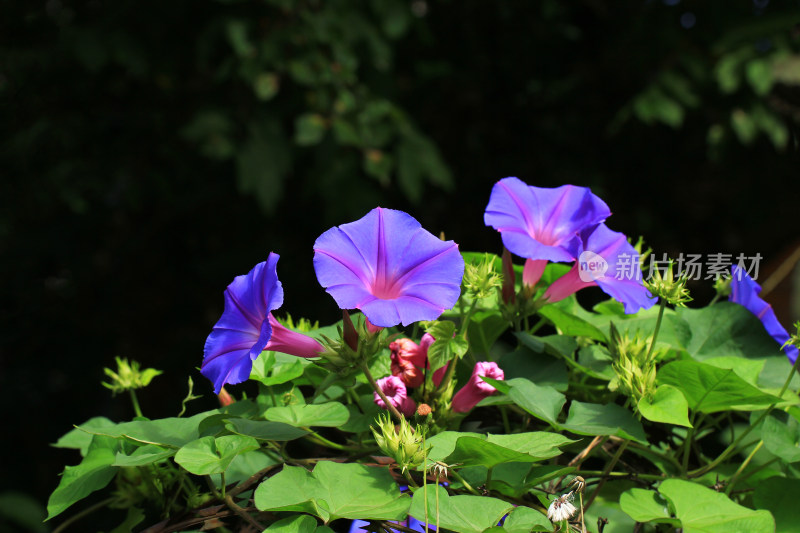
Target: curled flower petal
[[543, 223], [608, 261], [476, 389], [395, 391], [386, 265], [744, 291], [246, 327]]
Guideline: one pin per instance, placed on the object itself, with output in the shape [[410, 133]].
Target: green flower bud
[[402, 443], [480, 279], [128, 376], [635, 373], [723, 286], [668, 288]]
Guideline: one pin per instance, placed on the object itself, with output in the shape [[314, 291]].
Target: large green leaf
[[668, 406], [674, 332], [540, 401], [537, 367], [464, 514], [80, 437], [702, 510], [710, 389], [93, 473], [330, 414], [781, 435], [646, 506], [210, 455], [302, 523], [609, 419], [263, 429], [492, 450], [334, 490], [570, 324], [485, 328], [728, 329], [779, 496], [144, 455], [525, 519], [174, 432], [274, 368]]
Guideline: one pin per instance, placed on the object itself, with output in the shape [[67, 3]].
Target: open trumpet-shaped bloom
[[247, 327], [390, 268], [542, 223], [476, 389], [608, 261], [744, 291]]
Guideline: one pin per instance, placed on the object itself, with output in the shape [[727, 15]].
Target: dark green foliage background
[[151, 151]]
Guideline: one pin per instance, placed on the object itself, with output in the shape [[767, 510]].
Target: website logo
[[591, 267]]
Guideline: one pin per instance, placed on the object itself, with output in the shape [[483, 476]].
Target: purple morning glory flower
[[247, 327], [542, 224], [744, 291], [608, 261], [390, 268]]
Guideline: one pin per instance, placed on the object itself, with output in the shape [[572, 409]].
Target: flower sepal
[[357, 344]]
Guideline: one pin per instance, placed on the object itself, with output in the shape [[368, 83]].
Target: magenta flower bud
[[476, 389], [395, 391]]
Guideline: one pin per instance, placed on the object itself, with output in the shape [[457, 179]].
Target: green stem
[[663, 305], [536, 327], [463, 481], [315, 437], [730, 449], [506, 424], [599, 473], [381, 395], [608, 469], [465, 320], [739, 471], [410, 479], [687, 444], [488, 479], [714, 300], [135, 402], [89, 510]]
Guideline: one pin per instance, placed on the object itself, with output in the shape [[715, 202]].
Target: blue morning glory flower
[[387, 266], [607, 260], [744, 291], [542, 223], [247, 327]]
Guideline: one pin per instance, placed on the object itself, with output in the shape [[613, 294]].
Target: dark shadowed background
[[151, 151]]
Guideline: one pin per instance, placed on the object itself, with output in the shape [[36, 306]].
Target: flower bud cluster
[[635, 371], [402, 443]]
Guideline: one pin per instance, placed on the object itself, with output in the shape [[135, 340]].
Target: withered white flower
[[561, 508]]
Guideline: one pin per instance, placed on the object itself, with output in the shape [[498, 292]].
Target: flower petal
[[745, 291], [542, 223], [243, 330], [389, 267]]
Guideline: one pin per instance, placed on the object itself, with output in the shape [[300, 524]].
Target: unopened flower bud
[[480, 279], [668, 288]]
